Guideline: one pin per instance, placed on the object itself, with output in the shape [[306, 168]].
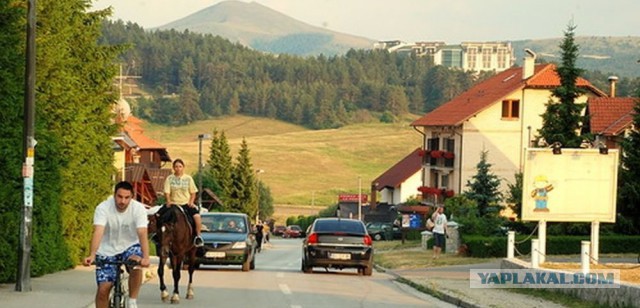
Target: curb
[[444, 296]]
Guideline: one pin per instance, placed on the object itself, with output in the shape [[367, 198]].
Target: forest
[[190, 76]]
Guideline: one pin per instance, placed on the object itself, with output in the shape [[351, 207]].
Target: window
[[444, 181], [502, 58], [433, 144], [449, 146], [471, 58], [511, 109], [486, 57]]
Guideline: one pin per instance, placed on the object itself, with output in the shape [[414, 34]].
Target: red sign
[[353, 198]]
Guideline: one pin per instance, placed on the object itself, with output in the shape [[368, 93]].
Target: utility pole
[[23, 282], [360, 198], [200, 138]]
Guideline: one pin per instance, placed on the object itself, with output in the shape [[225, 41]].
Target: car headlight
[[239, 245]]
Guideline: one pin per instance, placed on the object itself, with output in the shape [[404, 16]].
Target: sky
[[451, 21]]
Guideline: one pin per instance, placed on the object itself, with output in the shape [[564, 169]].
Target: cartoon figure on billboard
[[539, 194]]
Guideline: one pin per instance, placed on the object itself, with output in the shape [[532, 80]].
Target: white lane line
[[285, 289], [296, 306]]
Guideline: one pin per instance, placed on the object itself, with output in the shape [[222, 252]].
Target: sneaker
[[198, 241], [133, 304]]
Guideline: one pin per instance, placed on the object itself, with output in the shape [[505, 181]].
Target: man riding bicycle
[[119, 233]]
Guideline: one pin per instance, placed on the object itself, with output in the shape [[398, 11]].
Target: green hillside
[[301, 166], [609, 55]]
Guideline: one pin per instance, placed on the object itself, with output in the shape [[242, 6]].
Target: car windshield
[[295, 228], [348, 226], [223, 223]]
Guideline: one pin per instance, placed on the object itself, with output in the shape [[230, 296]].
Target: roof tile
[[401, 171], [609, 116], [488, 92]]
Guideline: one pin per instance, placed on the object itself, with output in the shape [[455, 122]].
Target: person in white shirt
[[119, 233], [439, 230]]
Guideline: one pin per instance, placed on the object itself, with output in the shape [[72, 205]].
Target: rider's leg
[[198, 225], [102, 295]]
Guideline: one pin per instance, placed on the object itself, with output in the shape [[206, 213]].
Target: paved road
[[278, 281]]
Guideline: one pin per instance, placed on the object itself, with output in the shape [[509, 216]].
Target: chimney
[[612, 83], [529, 63]]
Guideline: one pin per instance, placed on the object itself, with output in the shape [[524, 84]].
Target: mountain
[[264, 29]]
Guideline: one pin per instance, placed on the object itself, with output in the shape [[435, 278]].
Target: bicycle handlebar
[[128, 262]]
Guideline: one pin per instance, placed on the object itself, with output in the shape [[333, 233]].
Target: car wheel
[[377, 236], [305, 268]]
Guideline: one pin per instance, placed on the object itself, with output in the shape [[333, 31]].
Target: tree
[[243, 196], [265, 201], [562, 119], [220, 167], [12, 63], [483, 189], [629, 179], [514, 195]]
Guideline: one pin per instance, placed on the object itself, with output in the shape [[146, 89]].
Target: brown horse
[[176, 243]]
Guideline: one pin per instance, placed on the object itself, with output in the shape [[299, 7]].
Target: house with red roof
[[399, 183], [610, 119], [500, 115]]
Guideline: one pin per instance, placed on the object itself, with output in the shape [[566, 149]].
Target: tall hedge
[[74, 158]]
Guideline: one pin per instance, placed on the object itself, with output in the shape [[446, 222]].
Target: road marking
[[285, 289], [296, 306]]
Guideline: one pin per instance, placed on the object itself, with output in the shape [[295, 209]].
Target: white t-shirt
[[441, 221], [121, 229]]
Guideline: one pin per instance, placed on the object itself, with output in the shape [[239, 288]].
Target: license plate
[[340, 256], [215, 254]]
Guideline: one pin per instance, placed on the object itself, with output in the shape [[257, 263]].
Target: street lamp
[[360, 198], [258, 171], [200, 138]]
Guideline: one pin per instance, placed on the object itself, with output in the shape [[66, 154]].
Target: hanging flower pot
[[422, 153], [449, 193], [448, 155], [436, 154]]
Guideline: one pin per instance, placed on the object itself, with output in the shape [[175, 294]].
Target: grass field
[[302, 167]]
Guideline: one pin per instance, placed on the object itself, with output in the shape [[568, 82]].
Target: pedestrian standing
[[439, 230]]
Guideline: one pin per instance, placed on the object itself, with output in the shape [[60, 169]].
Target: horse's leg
[[176, 263], [192, 268], [164, 295]]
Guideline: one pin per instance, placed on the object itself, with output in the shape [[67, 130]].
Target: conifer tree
[[220, 167], [562, 119], [629, 176], [243, 196], [483, 188]]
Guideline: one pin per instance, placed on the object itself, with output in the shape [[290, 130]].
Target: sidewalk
[[451, 284], [74, 288], [71, 288]]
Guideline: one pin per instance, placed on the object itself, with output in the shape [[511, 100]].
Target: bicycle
[[118, 295]]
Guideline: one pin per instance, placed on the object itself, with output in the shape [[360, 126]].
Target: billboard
[[578, 185]]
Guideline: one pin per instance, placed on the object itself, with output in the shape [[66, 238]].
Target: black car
[[227, 241], [337, 243], [383, 231]]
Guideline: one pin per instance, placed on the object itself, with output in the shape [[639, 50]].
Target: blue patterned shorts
[[107, 272]]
